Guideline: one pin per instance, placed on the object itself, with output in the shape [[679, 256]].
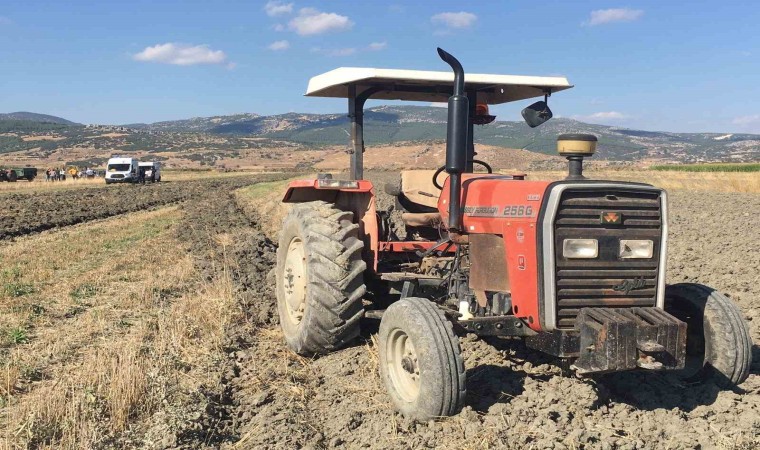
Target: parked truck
[[150, 171], [13, 175], [122, 170]]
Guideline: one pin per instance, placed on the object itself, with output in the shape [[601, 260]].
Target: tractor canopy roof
[[430, 86]]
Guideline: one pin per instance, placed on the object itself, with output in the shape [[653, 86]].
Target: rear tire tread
[[335, 285]]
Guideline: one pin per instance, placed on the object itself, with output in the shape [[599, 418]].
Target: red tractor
[[576, 267]]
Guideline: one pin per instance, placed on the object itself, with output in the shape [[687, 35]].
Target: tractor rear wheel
[[320, 278], [12, 176], [718, 345], [420, 360]]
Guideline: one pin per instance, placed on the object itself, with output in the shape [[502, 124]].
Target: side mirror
[[536, 114]]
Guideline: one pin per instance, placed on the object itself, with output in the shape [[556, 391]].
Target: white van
[[151, 171], [122, 170]]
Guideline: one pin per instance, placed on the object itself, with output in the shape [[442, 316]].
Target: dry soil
[[517, 398]]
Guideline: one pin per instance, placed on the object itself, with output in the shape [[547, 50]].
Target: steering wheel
[[442, 168]]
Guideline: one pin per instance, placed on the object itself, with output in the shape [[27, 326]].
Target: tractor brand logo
[[481, 211], [611, 217], [520, 235], [630, 285]]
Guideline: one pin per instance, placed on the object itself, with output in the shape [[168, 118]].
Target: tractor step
[[615, 339]]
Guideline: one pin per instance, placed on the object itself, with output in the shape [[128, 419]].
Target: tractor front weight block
[[613, 339]]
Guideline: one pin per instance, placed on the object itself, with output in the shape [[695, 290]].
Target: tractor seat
[[417, 195]]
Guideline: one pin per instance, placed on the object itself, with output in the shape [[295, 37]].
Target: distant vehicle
[[12, 175], [150, 171], [122, 170]]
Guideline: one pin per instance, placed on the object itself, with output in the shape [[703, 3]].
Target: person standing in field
[[62, 174]]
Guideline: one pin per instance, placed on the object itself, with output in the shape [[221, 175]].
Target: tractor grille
[[605, 281]]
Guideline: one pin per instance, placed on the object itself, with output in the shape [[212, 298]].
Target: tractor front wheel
[[718, 344], [420, 360], [320, 278]]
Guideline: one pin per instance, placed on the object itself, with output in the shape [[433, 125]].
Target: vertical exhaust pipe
[[456, 139]]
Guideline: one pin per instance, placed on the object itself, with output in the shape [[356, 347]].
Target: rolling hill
[[389, 124], [384, 125], [34, 117]]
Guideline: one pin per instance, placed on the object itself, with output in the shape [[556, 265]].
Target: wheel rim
[[294, 283], [403, 366]]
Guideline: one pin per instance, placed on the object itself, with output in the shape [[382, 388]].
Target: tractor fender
[[357, 196], [300, 191]]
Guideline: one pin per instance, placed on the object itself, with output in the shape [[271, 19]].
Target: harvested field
[[113, 333], [30, 212], [218, 373]]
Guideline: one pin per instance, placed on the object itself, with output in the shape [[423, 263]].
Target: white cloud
[[278, 27], [181, 54], [342, 52], [279, 45], [604, 116], [753, 119], [454, 19], [348, 51], [602, 16], [310, 21], [439, 105], [274, 8], [748, 124]]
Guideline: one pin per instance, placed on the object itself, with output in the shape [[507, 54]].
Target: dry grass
[[110, 331], [39, 184], [687, 181], [264, 200], [186, 175]]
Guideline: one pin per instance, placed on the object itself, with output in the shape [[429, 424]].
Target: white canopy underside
[[429, 86]]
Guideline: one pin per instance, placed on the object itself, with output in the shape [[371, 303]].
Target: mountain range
[[394, 124], [34, 117]]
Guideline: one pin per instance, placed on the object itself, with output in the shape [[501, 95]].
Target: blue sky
[[652, 65]]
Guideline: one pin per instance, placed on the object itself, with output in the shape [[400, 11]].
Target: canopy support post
[[356, 116], [472, 96]]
